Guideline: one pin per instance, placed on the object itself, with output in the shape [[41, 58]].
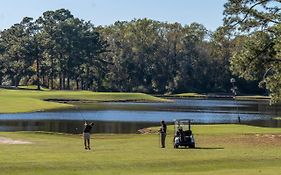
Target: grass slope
[[253, 97], [193, 95], [245, 97], [12, 101], [222, 149]]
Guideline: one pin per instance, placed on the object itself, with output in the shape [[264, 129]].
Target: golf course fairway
[[221, 150]]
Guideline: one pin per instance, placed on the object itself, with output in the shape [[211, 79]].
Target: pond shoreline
[[207, 111]]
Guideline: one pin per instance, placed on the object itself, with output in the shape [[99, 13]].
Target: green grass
[[194, 95], [253, 97], [32, 87], [248, 97], [222, 149], [13, 101], [225, 129]]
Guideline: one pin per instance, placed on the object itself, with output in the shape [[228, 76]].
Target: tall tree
[[16, 41], [71, 48], [259, 57]]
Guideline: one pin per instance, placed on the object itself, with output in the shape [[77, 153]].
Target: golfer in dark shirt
[[163, 131], [86, 135]]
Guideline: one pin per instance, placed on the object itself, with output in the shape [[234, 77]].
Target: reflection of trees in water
[[75, 127], [265, 108]]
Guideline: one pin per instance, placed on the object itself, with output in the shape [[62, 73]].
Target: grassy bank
[[190, 95], [244, 97], [253, 97], [222, 149], [13, 101]]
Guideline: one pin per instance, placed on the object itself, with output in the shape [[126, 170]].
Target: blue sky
[[106, 12]]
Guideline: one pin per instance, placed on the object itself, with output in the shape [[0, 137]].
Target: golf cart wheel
[[192, 146]]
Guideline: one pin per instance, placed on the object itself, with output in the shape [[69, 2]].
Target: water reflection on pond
[[70, 126], [128, 120]]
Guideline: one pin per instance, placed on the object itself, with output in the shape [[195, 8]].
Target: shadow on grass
[[203, 148], [208, 148], [22, 88]]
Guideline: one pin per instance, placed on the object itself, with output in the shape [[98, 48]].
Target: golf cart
[[183, 134]]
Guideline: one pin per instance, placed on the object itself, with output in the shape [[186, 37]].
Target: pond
[[133, 116]]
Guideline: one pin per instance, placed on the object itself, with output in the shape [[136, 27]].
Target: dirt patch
[[256, 140], [269, 138], [147, 131], [4, 140]]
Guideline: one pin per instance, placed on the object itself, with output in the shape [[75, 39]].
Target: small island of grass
[[16, 101], [190, 95], [252, 97]]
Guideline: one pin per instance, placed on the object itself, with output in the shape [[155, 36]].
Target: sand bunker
[[4, 140]]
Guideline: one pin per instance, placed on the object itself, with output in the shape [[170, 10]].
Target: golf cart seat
[[187, 133]]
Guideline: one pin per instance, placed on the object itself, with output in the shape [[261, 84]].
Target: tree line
[[60, 51], [51, 51]]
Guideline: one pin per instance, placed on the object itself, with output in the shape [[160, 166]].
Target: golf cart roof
[[182, 120], [184, 124]]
